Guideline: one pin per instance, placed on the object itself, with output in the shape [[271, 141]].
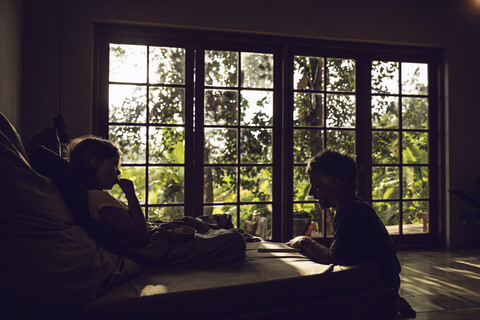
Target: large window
[[324, 104], [146, 113], [400, 135], [211, 125], [238, 135]]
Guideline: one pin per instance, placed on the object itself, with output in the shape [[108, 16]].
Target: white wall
[[462, 56], [10, 57], [452, 25], [371, 21]]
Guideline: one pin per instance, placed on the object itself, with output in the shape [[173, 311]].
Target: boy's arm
[[314, 250]]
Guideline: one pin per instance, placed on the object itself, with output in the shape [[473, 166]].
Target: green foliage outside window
[[147, 121]]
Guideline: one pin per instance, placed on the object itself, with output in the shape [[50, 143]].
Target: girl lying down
[[97, 162]]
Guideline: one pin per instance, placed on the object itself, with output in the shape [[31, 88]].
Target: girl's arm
[[129, 224]]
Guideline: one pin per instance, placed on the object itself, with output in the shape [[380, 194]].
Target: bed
[[57, 264], [265, 285]]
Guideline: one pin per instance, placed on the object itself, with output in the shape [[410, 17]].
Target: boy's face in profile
[[324, 190]]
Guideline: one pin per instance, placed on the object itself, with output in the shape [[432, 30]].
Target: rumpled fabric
[[207, 245], [49, 264]]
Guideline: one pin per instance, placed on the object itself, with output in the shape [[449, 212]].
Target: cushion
[[48, 138], [12, 135], [49, 263], [74, 194]]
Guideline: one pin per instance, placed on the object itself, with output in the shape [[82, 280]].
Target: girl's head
[[96, 160]]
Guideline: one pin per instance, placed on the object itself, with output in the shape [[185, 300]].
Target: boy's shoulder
[[357, 204]]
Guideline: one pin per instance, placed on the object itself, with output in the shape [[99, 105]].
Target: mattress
[[263, 280]]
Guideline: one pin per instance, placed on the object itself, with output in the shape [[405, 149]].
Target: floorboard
[[442, 284]]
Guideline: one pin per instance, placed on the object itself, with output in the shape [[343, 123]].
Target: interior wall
[[403, 22], [40, 65], [447, 24], [462, 56], [10, 59]]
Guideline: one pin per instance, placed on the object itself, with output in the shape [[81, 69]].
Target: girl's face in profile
[[107, 173]]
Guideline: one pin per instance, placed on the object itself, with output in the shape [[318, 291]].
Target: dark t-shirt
[[359, 236]]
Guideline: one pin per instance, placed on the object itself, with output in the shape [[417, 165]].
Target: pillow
[[49, 264], [74, 194], [47, 138], [12, 135]]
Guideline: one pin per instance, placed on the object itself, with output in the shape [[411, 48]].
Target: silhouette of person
[[358, 233]]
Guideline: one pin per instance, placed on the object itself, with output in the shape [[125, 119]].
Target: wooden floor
[[442, 284]]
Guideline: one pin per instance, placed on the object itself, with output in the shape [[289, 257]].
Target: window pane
[[222, 209], [167, 105], [415, 147], [388, 213], [220, 184], [131, 140], [415, 113], [415, 182], [384, 112], [340, 111], [166, 185], [255, 184], [137, 175], [306, 144], [165, 213], [385, 146], [341, 141], [308, 109], [257, 220], [221, 68], [256, 146], [257, 108], [166, 145], [167, 65], [127, 103], [340, 75], [414, 78], [301, 185], [314, 215], [415, 217], [220, 146], [308, 73], [257, 70], [385, 77], [385, 183], [221, 107], [128, 63]]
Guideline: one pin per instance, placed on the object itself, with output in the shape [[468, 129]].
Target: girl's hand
[[127, 187]]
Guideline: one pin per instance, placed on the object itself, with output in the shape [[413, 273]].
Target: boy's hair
[[82, 150], [329, 163]]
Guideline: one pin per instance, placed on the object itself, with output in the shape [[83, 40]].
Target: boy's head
[[332, 175]]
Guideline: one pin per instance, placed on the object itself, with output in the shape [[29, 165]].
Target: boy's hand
[[297, 242]]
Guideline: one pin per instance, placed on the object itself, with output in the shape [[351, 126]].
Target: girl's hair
[[329, 163], [82, 150]]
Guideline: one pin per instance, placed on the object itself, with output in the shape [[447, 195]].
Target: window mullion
[[239, 137], [190, 174], [363, 132], [198, 183]]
